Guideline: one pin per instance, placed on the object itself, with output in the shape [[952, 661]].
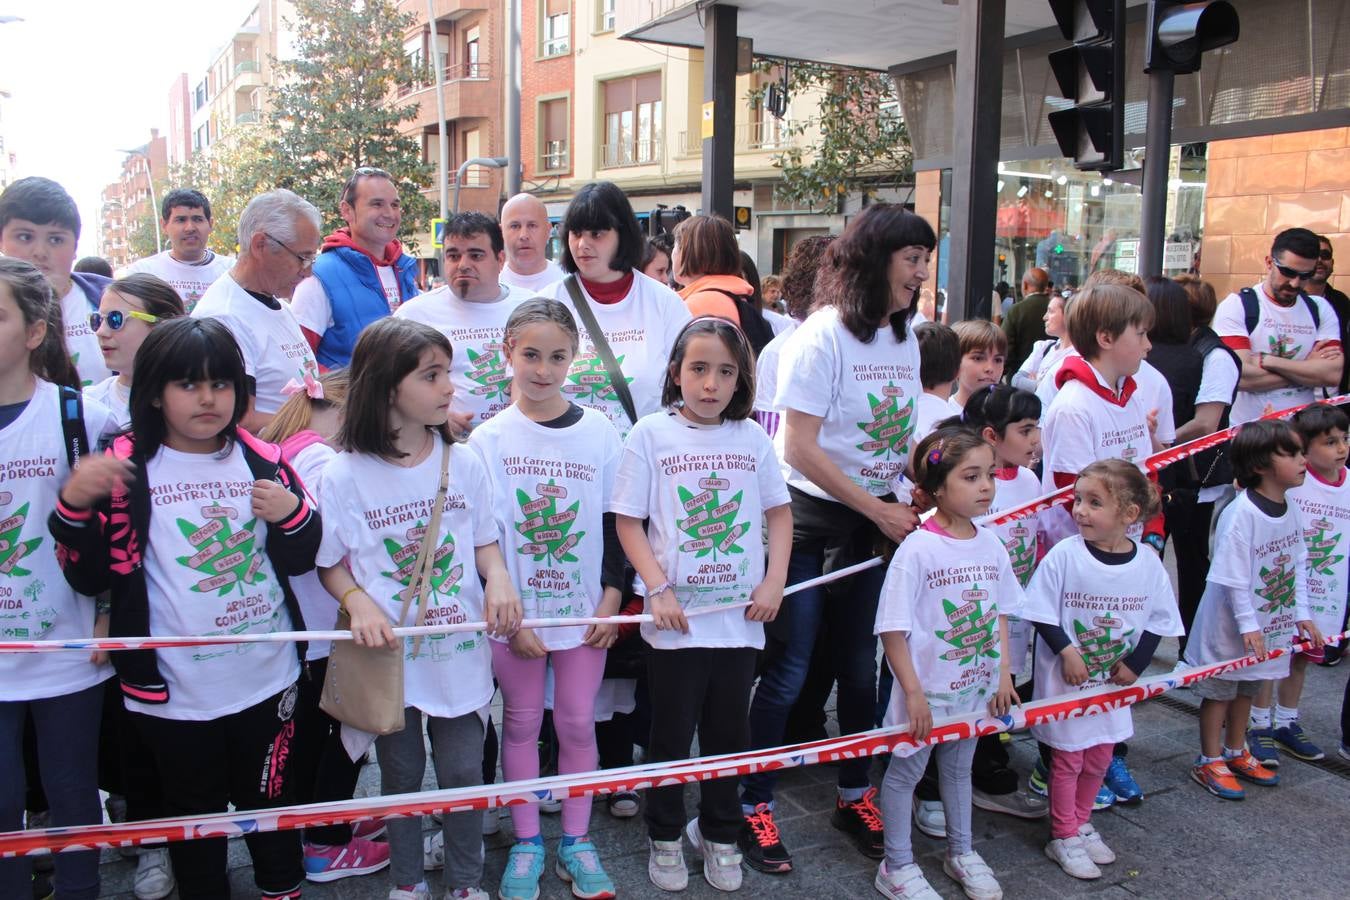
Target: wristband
[[661, 589], [342, 601]]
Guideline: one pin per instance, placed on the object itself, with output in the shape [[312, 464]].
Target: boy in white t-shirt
[[984, 349], [1323, 501], [939, 362], [1294, 346]]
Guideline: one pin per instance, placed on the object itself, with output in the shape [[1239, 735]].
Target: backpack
[[756, 328], [1212, 468], [1251, 308], [72, 425]]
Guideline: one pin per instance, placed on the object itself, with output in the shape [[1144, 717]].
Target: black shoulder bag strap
[[72, 425], [616, 379]]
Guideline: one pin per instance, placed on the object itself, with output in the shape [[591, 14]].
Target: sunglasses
[[1293, 274], [117, 318], [1324, 254]]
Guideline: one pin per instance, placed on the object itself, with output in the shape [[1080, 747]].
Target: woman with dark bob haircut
[[638, 316], [848, 382]]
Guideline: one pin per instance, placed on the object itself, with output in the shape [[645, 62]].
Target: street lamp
[[489, 162], [154, 204]]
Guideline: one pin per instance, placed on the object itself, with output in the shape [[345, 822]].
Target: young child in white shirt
[[940, 360], [943, 625], [1101, 603], [984, 348], [1256, 600], [129, 308]]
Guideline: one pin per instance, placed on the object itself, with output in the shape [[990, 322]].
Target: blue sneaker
[[579, 865], [1294, 741], [524, 867], [1105, 799], [1039, 782], [1261, 744], [1122, 783]]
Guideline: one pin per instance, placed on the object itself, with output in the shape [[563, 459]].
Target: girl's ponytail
[[51, 360], [33, 295]]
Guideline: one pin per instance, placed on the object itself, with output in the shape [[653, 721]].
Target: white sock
[[1285, 716], [1260, 717], [1230, 753]]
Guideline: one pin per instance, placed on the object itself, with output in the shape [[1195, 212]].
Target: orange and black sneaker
[[760, 844], [1248, 768], [861, 820], [1218, 779]]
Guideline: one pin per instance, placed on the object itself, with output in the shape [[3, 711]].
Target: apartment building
[[129, 203], [8, 160]]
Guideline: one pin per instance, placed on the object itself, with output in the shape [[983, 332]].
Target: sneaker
[[623, 805], [1039, 780], [116, 805], [760, 844], [1072, 856], [906, 884], [550, 806], [1248, 769], [368, 830], [1097, 850], [1294, 741], [524, 868], [1105, 799], [1122, 783], [344, 861], [974, 875], [861, 820], [433, 851], [1218, 779], [492, 822], [1261, 744], [579, 865], [721, 862], [665, 865], [468, 893], [420, 892], [154, 875], [930, 818], [1181, 664], [1018, 803], [1331, 655], [1344, 751]]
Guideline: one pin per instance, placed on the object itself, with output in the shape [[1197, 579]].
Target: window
[[553, 122], [472, 66], [604, 21], [199, 95], [556, 30], [412, 48], [633, 120]]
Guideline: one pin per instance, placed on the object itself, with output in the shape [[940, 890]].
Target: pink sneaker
[[368, 831], [333, 863]]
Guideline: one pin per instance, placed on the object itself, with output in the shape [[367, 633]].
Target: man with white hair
[[278, 240], [526, 228]]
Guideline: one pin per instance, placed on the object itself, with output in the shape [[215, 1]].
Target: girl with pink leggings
[[551, 465]]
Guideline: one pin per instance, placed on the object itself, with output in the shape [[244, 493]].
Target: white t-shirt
[[1257, 582], [1325, 510], [319, 608], [1218, 380], [538, 284], [478, 369], [946, 595], [641, 330], [705, 489], [1288, 332], [865, 393], [1032, 367], [275, 351], [1019, 538], [206, 573], [549, 490], [81, 342], [36, 602], [929, 410], [117, 398], [190, 280], [1105, 610], [1151, 388], [766, 369], [779, 322], [314, 311], [374, 516]]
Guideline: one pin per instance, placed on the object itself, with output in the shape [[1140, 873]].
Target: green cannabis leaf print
[[544, 527], [1283, 346], [1320, 544], [1277, 587], [225, 557], [445, 576], [590, 379], [1101, 643], [711, 524], [488, 370], [891, 426], [11, 548], [1021, 547], [974, 630]]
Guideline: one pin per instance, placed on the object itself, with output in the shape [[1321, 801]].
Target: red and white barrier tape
[[1106, 698]]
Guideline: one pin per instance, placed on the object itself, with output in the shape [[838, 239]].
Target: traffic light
[[1178, 33], [1091, 73]]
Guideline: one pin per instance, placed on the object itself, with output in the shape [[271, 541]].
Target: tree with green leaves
[[855, 141]]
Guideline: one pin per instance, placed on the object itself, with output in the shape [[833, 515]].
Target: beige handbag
[[363, 687]]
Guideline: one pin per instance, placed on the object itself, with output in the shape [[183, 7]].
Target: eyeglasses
[[117, 318], [1293, 274], [306, 259], [1324, 253]]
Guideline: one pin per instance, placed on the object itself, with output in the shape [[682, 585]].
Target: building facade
[[129, 204]]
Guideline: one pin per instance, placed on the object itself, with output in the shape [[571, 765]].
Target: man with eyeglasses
[[362, 275], [1289, 343], [278, 241]]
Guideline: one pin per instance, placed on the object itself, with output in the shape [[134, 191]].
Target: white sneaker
[[420, 892], [433, 852], [550, 806], [906, 884], [721, 862], [492, 822], [1072, 856], [930, 818], [974, 876], [1181, 664], [1097, 850], [154, 875], [665, 865], [471, 893]]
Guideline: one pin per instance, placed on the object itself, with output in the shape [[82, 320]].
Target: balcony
[[248, 117], [247, 65], [631, 153], [445, 10], [555, 157], [471, 92], [767, 136]]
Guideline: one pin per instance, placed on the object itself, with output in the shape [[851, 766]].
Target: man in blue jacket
[[362, 274]]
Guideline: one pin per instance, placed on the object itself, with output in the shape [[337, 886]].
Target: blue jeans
[[851, 608]]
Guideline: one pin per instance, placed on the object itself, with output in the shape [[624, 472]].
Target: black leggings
[[321, 770]]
